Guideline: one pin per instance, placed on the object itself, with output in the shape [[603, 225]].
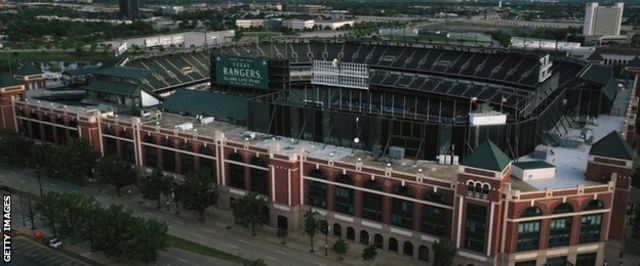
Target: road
[[213, 232]]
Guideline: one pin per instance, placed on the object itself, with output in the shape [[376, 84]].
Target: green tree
[[635, 222], [13, 148], [72, 161], [369, 253], [110, 230], [69, 214], [198, 192], [148, 237], [116, 172], [340, 247], [154, 185], [247, 211], [311, 225], [443, 252], [49, 208]]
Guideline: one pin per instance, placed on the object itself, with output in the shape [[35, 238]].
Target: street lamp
[[175, 199], [326, 235]]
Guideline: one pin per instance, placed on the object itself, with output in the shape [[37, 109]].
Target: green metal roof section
[[207, 103], [595, 56], [610, 90], [613, 146], [114, 88], [635, 62], [27, 69], [125, 72], [487, 156], [597, 73], [533, 165], [7, 80], [81, 71]]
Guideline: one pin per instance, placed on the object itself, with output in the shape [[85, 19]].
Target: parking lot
[[28, 252]]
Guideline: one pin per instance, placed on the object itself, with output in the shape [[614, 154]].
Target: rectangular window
[[588, 259], [344, 200], [434, 220], [590, 228], [475, 228], [318, 194], [556, 261], [528, 235], [560, 232], [526, 263]]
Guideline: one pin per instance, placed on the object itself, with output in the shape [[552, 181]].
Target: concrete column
[[358, 181], [331, 193], [386, 202]]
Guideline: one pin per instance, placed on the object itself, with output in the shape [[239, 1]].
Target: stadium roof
[[487, 156], [7, 80], [125, 72], [114, 88], [81, 71], [613, 146], [207, 103]]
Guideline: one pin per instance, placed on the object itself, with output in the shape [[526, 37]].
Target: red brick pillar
[[417, 209], [575, 230], [358, 181], [196, 159], [544, 234], [331, 192], [247, 174], [177, 143], [386, 202]]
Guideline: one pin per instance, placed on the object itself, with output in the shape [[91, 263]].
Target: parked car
[[54, 243]]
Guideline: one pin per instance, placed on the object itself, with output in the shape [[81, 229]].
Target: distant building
[[298, 24], [275, 7], [305, 9], [249, 23], [334, 24], [273, 23], [602, 20], [171, 10], [130, 9]]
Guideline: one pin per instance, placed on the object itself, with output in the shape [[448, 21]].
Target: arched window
[[317, 190], [372, 202], [344, 195], [364, 237], [337, 230], [402, 210], [590, 225], [423, 253], [236, 171], [393, 244], [407, 248], [529, 231], [478, 188], [259, 177], [593, 205], [351, 233], [434, 219], [485, 189], [186, 160], [470, 187], [378, 240], [560, 228]]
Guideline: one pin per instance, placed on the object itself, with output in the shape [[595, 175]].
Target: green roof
[[597, 73], [612, 146], [533, 165], [635, 62], [207, 103], [610, 89], [595, 56], [125, 72], [80, 71], [7, 80], [27, 69], [113, 87], [487, 156]]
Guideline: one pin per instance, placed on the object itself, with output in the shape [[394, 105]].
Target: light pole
[[326, 235], [175, 198]]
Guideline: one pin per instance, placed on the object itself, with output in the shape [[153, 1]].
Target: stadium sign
[[242, 72]]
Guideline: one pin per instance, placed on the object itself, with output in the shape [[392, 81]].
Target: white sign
[[487, 119], [121, 49]]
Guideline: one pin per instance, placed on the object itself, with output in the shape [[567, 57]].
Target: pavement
[[216, 231]]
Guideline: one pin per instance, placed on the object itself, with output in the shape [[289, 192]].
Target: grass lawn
[[204, 250], [433, 38], [260, 34]]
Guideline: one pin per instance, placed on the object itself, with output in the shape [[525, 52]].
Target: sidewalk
[[213, 232]]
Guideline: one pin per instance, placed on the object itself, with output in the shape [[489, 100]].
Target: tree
[[69, 214], [72, 161], [340, 247], [443, 252], [154, 185], [198, 192], [311, 225], [48, 207], [247, 211], [13, 148], [369, 253], [113, 171], [148, 237]]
